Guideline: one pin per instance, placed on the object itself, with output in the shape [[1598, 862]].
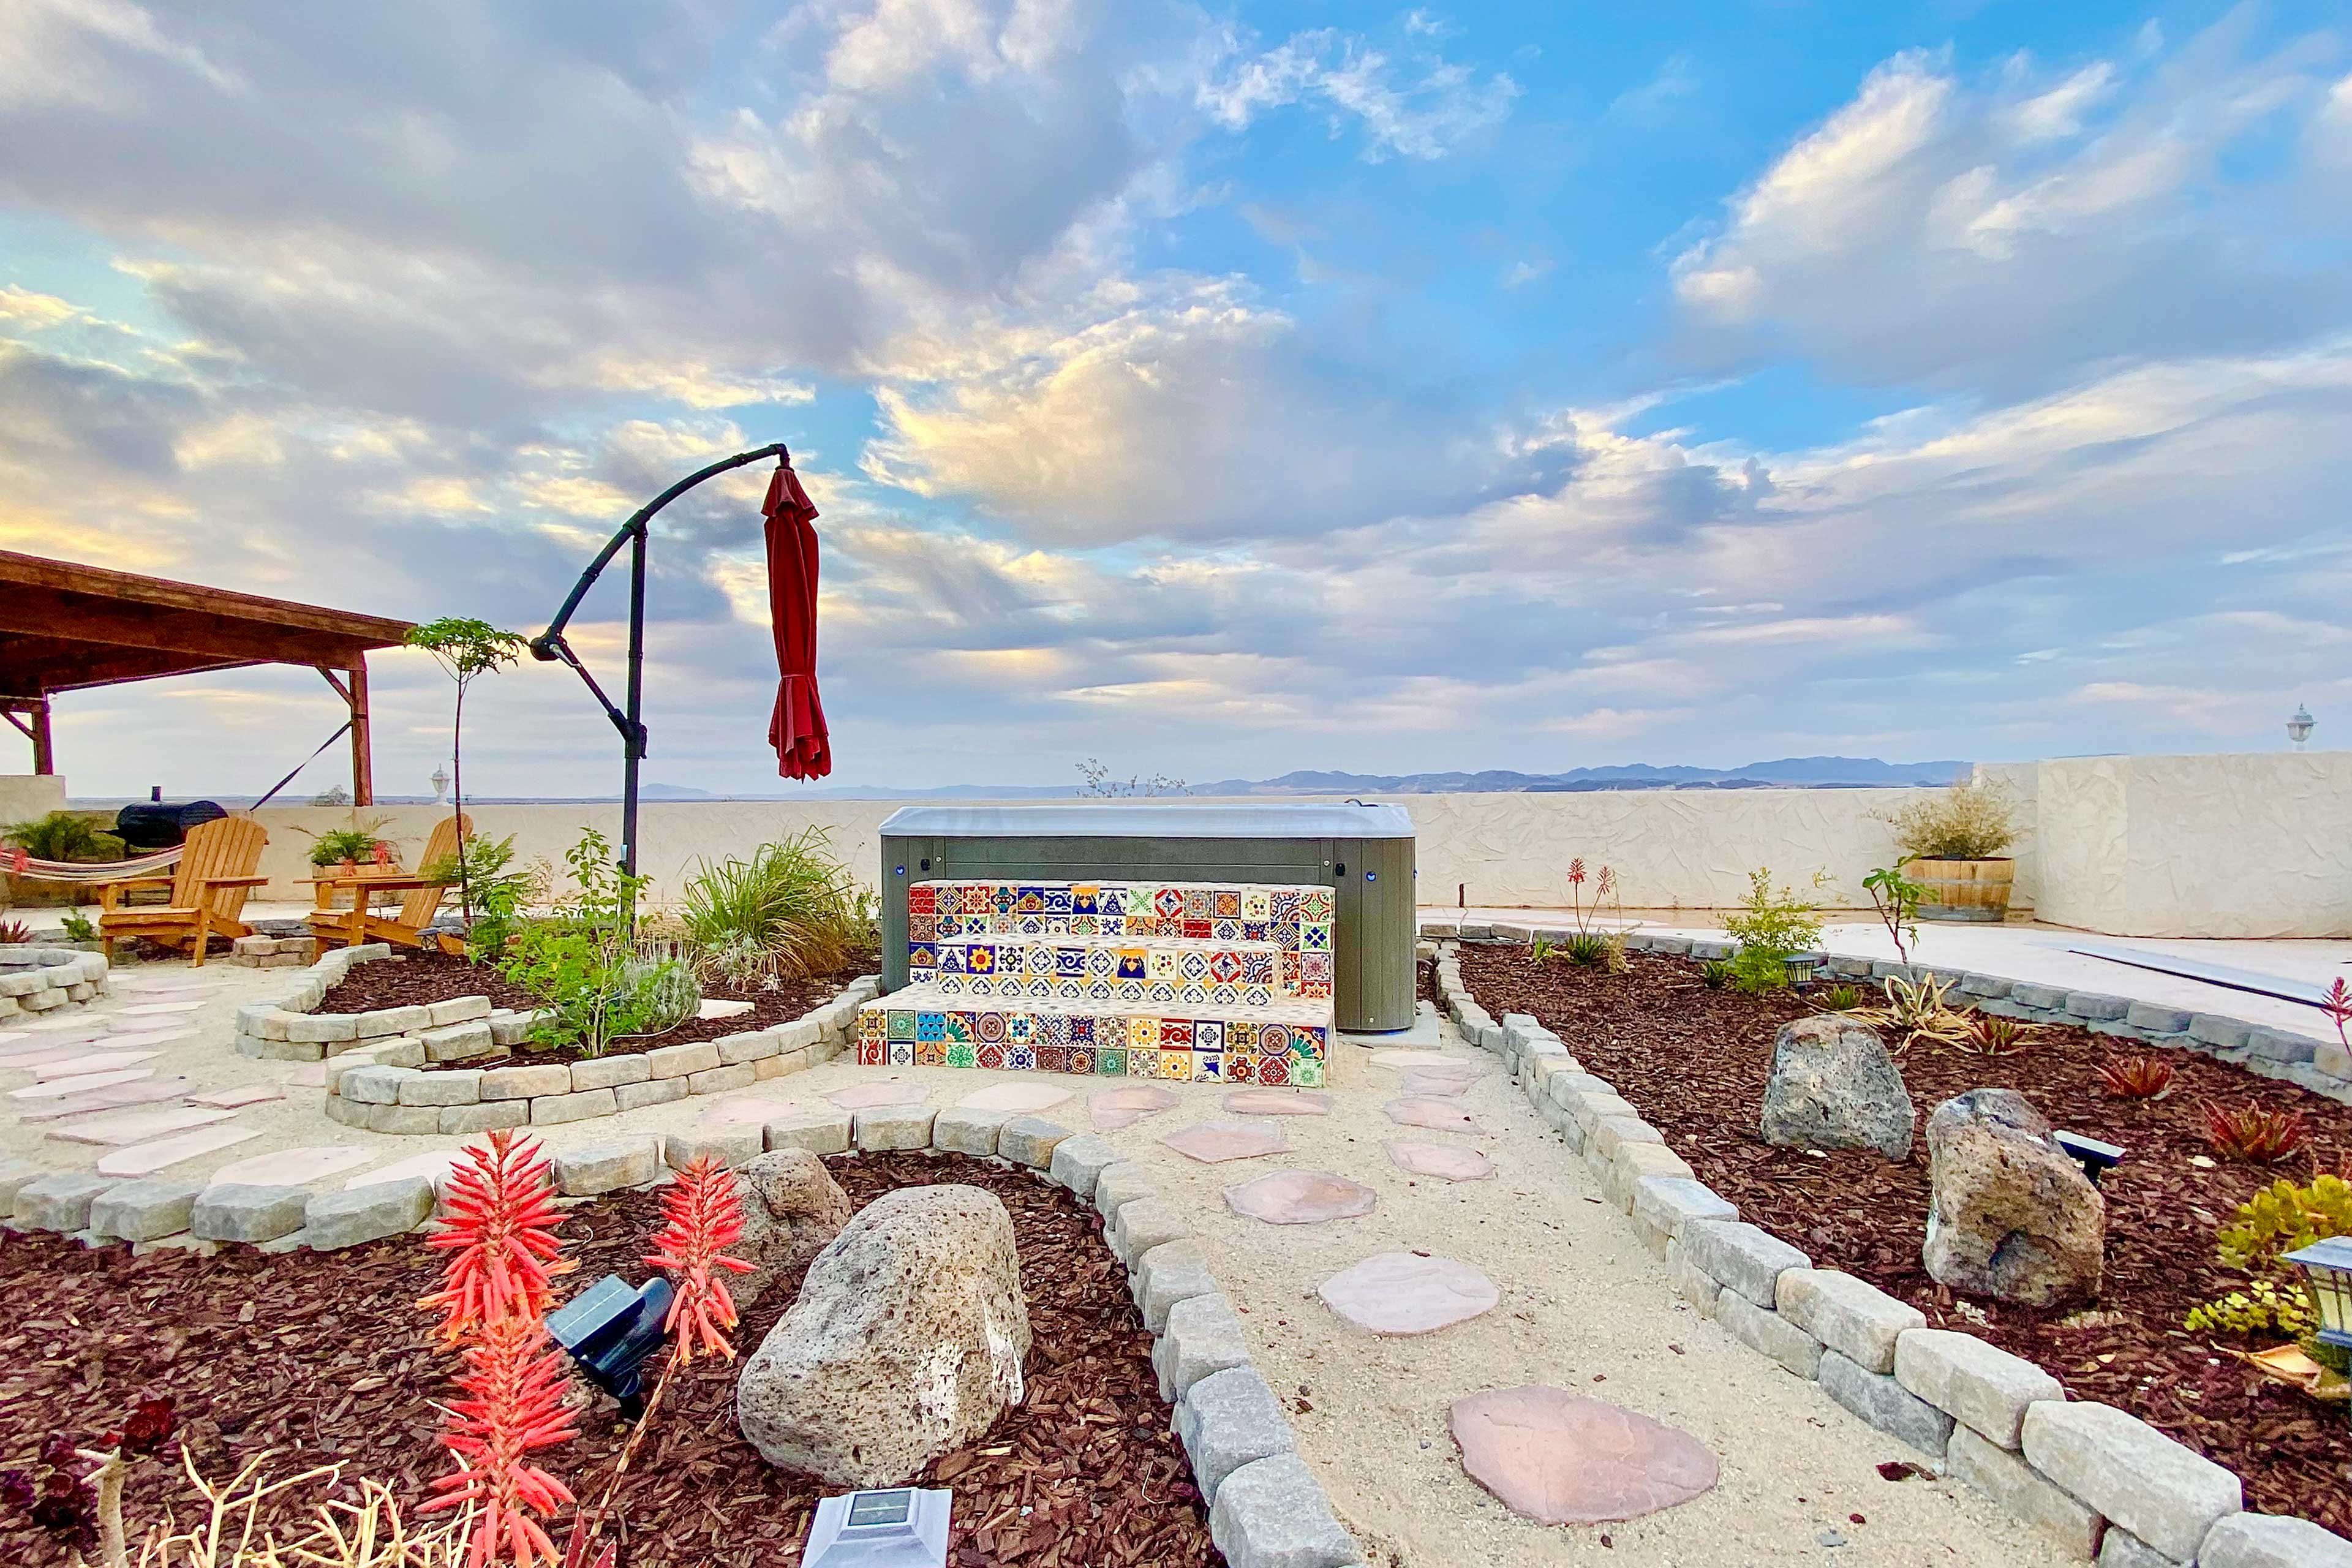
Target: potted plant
[[1952, 842], [346, 846]]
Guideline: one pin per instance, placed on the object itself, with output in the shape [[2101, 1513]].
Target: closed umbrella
[[796, 728]]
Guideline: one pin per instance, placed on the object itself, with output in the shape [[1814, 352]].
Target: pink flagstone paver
[[160, 1009], [87, 1062], [1420, 1084], [1410, 1058], [1449, 1162], [1301, 1197], [144, 1159], [743, 1109], [1213, 1143], [868, 1095], [62, 1086], [1022, 1099], [1116, 1107], [719, 1007], [26, 1061], [311, 1074], [1277, 1102], [138, 1126], [239, 1096], [1408, 1293], [1437, 1115], [119, 1097], [1559, 1457], [57, 1024], [294, 1167], [160, 985], [138, 1039], [434, 1167]]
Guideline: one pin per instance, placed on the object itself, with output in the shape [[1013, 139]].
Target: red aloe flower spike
[[2338, 1002], [516, 1383], [502, 1220], [703, 1216], [1608, 880], [1576, 872]]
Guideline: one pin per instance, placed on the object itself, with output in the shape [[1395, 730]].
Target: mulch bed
[[408, 979], [326, 1357], [1696, 1061]]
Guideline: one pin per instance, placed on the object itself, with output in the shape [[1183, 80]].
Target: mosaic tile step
[[1158, 969], [1204, 901], [1284, 1042]]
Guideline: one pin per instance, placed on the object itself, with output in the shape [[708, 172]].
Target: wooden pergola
[[69, 627]]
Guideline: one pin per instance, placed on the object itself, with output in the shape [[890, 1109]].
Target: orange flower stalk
[[516, 1383], [703, 1214], [502, 1220]]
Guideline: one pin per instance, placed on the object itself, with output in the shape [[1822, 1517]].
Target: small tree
[[466, 649]]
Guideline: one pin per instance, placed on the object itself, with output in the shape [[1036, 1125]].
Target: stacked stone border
[[42, 979], [2105, 1484], [375, 1060], [1267, 1509]]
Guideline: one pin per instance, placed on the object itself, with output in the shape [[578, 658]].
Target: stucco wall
[[26, 796]]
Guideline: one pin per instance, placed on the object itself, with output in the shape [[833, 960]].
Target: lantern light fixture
[[899, 1527], [2095, 1158], [2299, 725], [2326, 1267]]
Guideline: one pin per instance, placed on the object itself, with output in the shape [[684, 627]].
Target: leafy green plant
[[2261, 1307], [1897, 899], [2281, 1218], [504, 891], [1586, 949], [79, 927], [1969, 821], [1715, 973], [466, 649], [791, 910], [336, 845], [63, 836], [580, 962], [1773, 926], [1541, 949], [1916, 1010], [1842, 998]]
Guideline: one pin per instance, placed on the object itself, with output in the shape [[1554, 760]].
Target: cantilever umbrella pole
[[551, 646]]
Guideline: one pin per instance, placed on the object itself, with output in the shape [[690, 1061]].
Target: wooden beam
[[82, 618], [25, 573], [363, 752], [33, 667]]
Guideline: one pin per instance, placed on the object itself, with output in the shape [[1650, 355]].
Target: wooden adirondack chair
[[218, 866], [337, 926]]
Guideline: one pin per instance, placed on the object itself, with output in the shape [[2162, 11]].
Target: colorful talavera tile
[[930, 1053], [1306, 1074], [922, 928], [1079, 1060], [901, 1054], [1082, 1031], [1021, 1028], [1208, 1067], [871, 1053], [1240, 1034], [930, 1025], [1258, 903], [1273, 1070], [1241, 1066], [1208, 1035], [1110, 1061], [962, 1056], [1143, 1033], [1053, 1058], [990, 1056], [1176, 1034], [960, 1026], [987, 1027], [922, 899], [1176, 1065], [1020, 1058]]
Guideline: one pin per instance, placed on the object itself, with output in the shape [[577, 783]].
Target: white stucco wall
[[23, 796]]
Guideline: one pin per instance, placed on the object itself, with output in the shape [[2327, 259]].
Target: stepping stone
[[160, 1009], [163, 985], [1213, 1143], [1277, 1102], [743, 1110], [138, 1126], [312, 1074], [1402, 1059], [1408, 1293], [55, 1025], [145, 1158], [1423, 1084], [66, 1086], [120, 1097], [434, 1167], [1118, 1108], [1301, 1197], [89, 1062], [870, 1095], [1559, 1457], [137, 1039], [294, 1167], [1437, 1115], [1448, 1161], [27, 1061], [715, 1008], [1020, 1099], [239, 1097]]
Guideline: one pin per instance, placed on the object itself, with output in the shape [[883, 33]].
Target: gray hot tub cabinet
[[1363, 853]]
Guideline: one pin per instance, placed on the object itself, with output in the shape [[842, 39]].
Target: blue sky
[[1215, 390]]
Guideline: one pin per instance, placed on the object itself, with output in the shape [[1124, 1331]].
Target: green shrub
[[79, 927], [580, 962], [1772, 927], [1969, 821], [2281, 1218], [63, 836], [501, 893], [1714, 974], [1586, 949], [336, 845], [789, 911]]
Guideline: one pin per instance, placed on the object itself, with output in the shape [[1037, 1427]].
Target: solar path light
[[2328, 1271], [902, 1527]]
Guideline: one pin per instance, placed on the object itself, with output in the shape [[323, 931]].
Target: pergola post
[[362, 742], [34, 727]]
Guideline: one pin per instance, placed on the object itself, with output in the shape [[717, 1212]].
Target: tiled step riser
[[1185, 1050], [1295, 918], [1106, 993]]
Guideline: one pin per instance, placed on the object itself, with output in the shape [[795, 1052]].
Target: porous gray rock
[[2010, 1215], [905, 1341], [1833, 1086], [792, 1209]]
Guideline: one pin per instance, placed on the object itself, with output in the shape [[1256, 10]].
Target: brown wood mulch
[[1696, 1061], [326, 1357], [412, 978]]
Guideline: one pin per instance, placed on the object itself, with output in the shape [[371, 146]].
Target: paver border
[[43, 979]]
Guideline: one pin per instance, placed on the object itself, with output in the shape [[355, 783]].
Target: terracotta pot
[[1972, 891]]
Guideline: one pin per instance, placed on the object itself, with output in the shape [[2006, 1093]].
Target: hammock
[[18, 863]]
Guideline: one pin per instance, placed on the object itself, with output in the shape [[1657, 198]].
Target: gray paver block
[[369, 1212], [1692, 1283], [963, 1131], [459, 1087], [458, 1041], [1742, 1257], [404, 1118], [2273, 1541], [1227, 1420], [2212, 1030], [1668, 1202], [883, 1128], [552, 1109], [1985, 1386], [818, 1132], [1769, 1333], [610, 1072], [2097, 1004], [376, 1085], [1144, 1224], [742, 1050], [2157, 1019], [1030, 1140], [2121, 1549], [1272, 1513], [2166, 1494], [1119, 1184], [1204, 1335], [721, 1079], [1078, 1162], [2047, 998], [238, 1211], [61, 1201], [144, 1210], [646, 1091], [1885, 1403], [458, 1010], [607, 1167], [487, 1116], [1851, 1316], [733, 1146], [1170, 1272], [677, 1061], [1632, 1164], [1610, 1133], [2022, 1492], [323, 1028], [525, 1082], [16, 1175]]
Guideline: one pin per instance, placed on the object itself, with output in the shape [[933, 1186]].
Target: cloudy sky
[[1214, 390]]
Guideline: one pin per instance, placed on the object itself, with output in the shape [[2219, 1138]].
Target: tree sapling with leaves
[[466, 649], [1897, 899]]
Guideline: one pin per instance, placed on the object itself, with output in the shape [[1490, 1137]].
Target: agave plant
[[1997, 1036], [1916, 1010], [2137, 1078], [2251, 1133]]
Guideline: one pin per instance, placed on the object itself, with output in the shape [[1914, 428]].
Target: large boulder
[[792, 1208], [2010, 1215], [905, 1341], [1833, 1086]]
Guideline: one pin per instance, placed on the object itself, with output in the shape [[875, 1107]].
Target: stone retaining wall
[[1267, 1510], [2106, 1485], [41, 979]]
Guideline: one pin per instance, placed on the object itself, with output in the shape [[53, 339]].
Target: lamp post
[[440, 782], [2298, 725], [2327, 1271]]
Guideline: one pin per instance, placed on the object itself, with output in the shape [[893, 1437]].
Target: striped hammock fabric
[[18, 863]]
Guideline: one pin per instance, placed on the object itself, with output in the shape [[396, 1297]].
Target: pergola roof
[[65, 627]]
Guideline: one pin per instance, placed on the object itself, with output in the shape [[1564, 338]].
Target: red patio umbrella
[[796, 728]]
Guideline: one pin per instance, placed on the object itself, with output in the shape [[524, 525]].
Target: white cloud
[[1423, 116]]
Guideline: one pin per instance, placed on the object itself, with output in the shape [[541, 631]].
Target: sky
[[1212, 390]]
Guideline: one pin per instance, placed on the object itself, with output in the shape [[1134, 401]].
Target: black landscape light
[[610, 1331], [901, 1527], [2095, 1158]]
